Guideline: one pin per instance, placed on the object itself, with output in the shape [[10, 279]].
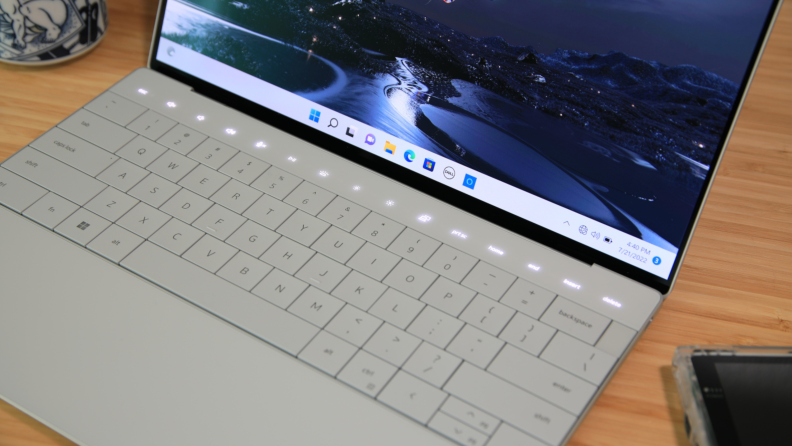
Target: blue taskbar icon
[[429, 164], [409, 156], [469, 181], [656, 260], [315, 115]]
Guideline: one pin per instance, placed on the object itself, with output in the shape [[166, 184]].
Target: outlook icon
[[370, 139], [469, 181]]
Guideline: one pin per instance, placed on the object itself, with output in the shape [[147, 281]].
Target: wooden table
[[734, 288]]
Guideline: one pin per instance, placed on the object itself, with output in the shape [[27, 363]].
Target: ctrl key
[[115, 243]]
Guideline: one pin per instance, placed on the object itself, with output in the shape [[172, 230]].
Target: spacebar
[[248, 312]]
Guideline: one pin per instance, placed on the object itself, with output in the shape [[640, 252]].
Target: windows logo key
[[315, 115]]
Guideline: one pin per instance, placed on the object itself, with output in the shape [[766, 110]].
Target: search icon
[[333, 123]]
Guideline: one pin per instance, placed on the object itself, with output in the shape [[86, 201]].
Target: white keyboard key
[[210, 253], [18, 193], [74, 151], [456, 430], [115, 108], [510, 403], [186, 206], [397, 308], [367, 373], [52, 174], [528, 298], [154, 190], [343, 213], [172, 166], [327, 353], [316, 306], [472, 416], [246, 311], [527, 334], [50, 210], [252, 238], [176, 236], [323, 273], [309, 198], [448, 296], [82, 226], [578, 358], [204, 181], [543, 379], [219, 222], [244, 271], [410, 278], [244, 168], [97, 130], [487, 314], [412, 397], [450, 263], [279, 288], [359, 290], [269, 212], [378, 230], [303, 228], [509, 436], [213, 153], [575, 320], [337, 244], [276, 182], [236, 196], [287, 255], [123, 175], [141, 151], [353, 325], [111, 204], [414, 246], [392, 345], [488, 280], [373, 261], [475, 346], [151, 125], [115, 243], [436, 327], [616, 339], [181, 139], [143, 220], [432, 364]]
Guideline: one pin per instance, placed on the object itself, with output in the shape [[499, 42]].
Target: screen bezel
[[458, 199]]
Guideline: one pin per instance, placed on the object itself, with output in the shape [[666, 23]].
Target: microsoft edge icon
[[409, 156], [315, 115], [469, 181]]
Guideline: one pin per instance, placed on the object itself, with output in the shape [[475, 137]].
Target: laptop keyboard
[[469, 350]]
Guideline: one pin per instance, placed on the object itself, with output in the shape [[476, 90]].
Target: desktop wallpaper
[[611, 108]]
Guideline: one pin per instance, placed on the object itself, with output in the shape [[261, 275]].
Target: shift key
[[52, 174]]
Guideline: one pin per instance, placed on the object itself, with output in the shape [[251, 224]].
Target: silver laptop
[[365, 222]]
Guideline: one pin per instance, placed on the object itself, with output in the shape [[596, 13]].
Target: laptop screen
[[597, 121]]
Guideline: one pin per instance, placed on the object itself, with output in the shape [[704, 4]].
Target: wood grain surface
[[735, 286]]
